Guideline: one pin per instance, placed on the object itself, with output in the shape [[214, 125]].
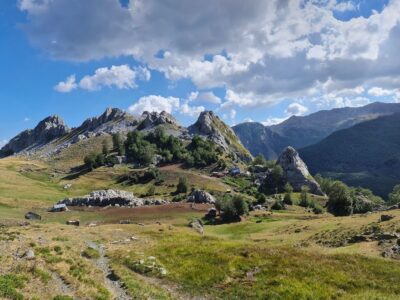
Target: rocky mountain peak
[[211, 126], [151, 119], [296, 172], [47, 130]]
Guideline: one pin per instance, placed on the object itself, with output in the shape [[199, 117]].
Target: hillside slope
[[367, 154], [259, 139], [304, 131]]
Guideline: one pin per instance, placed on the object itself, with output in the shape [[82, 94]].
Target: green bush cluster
[[232, 208]]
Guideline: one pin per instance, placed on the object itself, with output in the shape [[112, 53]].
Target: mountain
[[367, 154], [304, 131], [46, 131], [52, 136], [210, 125], [259, 139]]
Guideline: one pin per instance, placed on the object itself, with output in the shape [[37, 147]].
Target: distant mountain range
[[303, 131], [367, 154]]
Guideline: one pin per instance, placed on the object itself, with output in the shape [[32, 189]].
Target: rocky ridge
[[104, 198]]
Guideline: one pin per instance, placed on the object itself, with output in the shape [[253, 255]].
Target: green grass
[[9, 285]]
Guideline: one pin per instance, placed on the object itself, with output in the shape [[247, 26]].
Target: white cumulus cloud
[[154, 103], [296, 109], [120, 77]]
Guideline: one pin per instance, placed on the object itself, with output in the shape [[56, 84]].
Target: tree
[[90, 161], [304, 201], [118, 144], [394, 196], [261, 199], [105, 149], [340, 202], [259, 160], [288, 194], [232, 208], [182, 186], [138, 149]]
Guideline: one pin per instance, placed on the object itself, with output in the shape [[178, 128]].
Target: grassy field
[[291, 254]]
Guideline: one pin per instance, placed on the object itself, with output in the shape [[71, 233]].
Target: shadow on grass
[[77, 172]]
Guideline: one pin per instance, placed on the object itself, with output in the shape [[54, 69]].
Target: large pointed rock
[[210, 126], [296, 172]]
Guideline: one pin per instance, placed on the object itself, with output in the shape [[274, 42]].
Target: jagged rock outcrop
[[296, 172], [210, 126], [46, 131], [152, 119], [198, 196], [110, 198], [111, 121]]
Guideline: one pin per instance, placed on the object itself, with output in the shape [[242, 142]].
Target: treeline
[[344, 200], [154, 147]]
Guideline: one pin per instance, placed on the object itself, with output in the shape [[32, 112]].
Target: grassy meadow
[[291, 254]]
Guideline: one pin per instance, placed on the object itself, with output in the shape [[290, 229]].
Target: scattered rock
[[197, 225], [198, 196], [67, 186], [125, 222], [73, 222], [32, 216], [385, 218], [29, 255], [211, 214], [358, 239]]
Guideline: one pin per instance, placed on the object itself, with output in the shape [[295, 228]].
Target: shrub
[[278, 205], [232, 208], [394, 196], [318, 209], [183, 186], [304, 201], [287, 199], [151, 191], [340, 202], [261, 199], [62, 297]]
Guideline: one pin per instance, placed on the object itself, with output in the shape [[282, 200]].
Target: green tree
[[232, 208], [183, 186], [394, 196], [118, 144], [304, 200], [340, 202], [105, 149], [259, 160], [90, 161], [288, 194]]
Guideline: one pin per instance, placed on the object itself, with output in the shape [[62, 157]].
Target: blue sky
[[263, 62]]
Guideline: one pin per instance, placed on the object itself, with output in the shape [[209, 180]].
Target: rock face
[[111, 121], [46, 131], [110, 197], [152, 119], [210, 126], [198, 196], [296, 173]]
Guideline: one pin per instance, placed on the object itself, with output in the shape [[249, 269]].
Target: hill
[[303, 131], [260, 139], [367, 154]]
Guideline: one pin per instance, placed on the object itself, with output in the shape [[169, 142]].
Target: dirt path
[[114, 285], [65, 289]]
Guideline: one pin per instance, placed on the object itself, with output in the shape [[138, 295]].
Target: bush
[[278, 205], [62, 297], [394, 196], [151, 191], [287, 199], [318, 209], [183, 186], [232, 208], [9, 284], [304, 201], [340, 202], [261, 199]]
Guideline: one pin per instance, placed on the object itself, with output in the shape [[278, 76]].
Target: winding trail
[[114, 285]]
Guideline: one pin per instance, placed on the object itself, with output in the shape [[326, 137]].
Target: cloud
[[263, 52], [345, 6], [296, 109], [121, 77], [27, 119], [273, 121], [155, 103], [208, 97], [379, 92], [191, 111], [67, 86]]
